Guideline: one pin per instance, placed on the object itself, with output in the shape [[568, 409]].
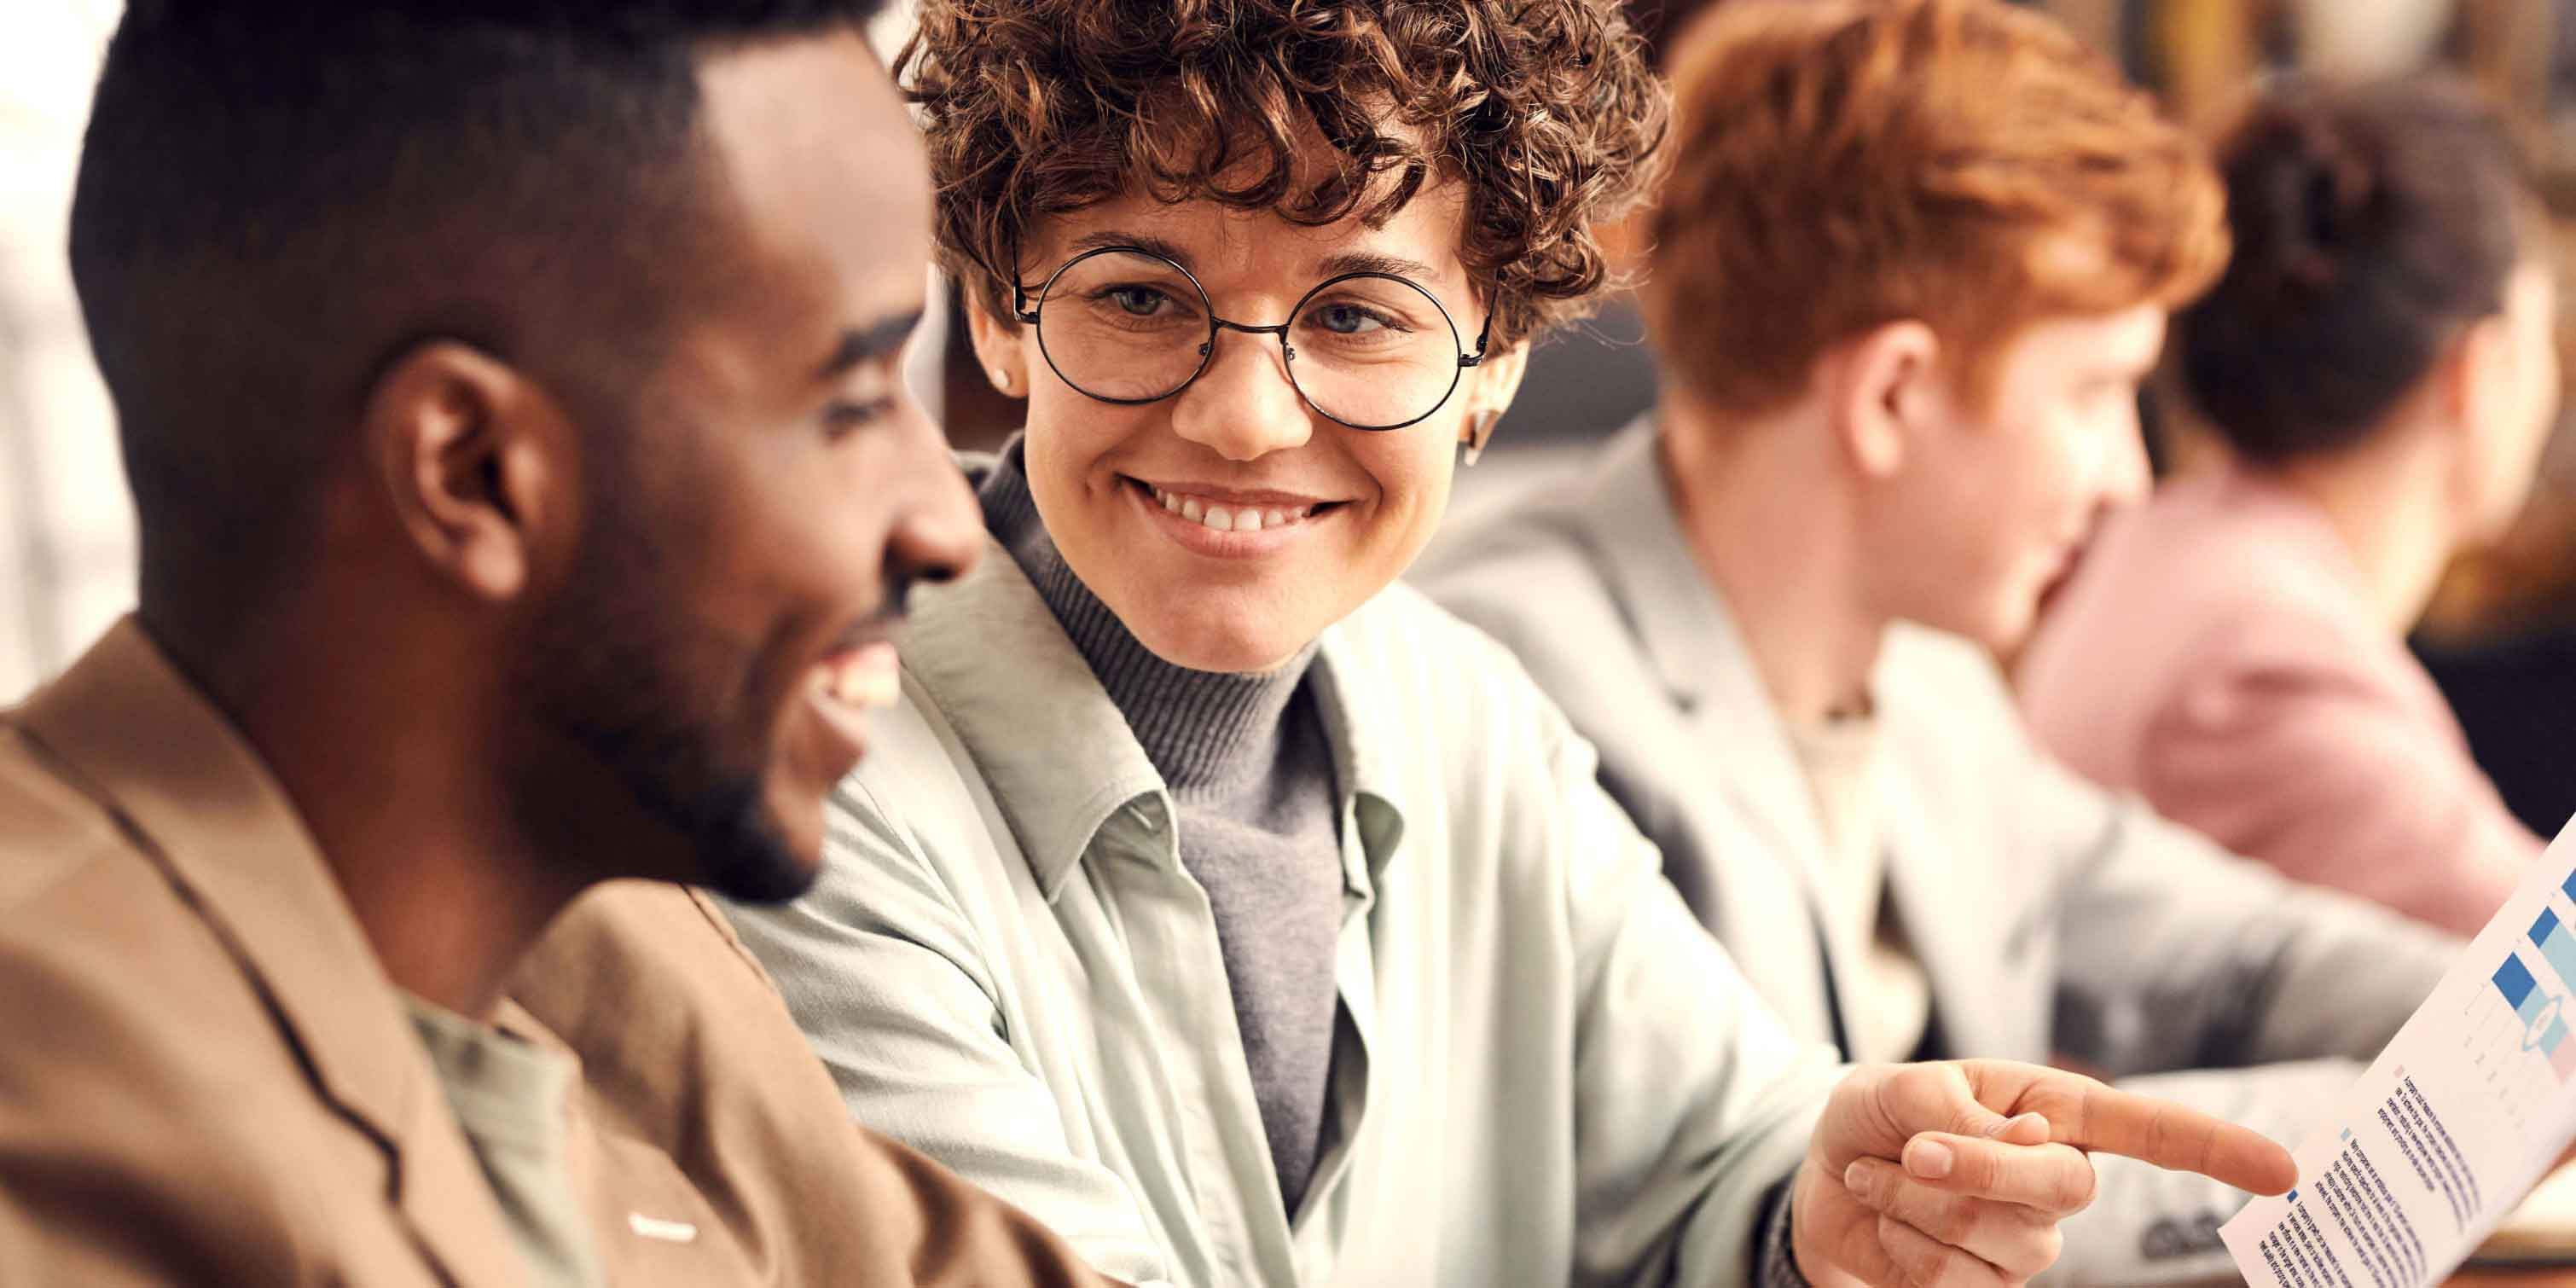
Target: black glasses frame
[[1021, 309]]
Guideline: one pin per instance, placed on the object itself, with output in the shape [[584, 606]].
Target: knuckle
[[2052, 1245], [1923, 1260], [1955, 1223], [2033, 1251]]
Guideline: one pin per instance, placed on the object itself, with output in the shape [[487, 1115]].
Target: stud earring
[[1480, 431], [1002, 381]]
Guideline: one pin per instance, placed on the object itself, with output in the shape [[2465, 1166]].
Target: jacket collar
[[195, 799], [1061, 759], [1633, 532]]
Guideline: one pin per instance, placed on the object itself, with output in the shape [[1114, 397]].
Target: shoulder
[[1437, 667], [148, 1081], [51, 833], [1525, 574]]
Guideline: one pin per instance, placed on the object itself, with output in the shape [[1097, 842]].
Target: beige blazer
[[691, 1060], [208, 1079]]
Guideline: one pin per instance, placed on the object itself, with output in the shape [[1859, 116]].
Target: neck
[[1764, 521], [2385, 502], [395, 776]]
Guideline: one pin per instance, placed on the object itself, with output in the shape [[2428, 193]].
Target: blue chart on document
[[2452, 1124]]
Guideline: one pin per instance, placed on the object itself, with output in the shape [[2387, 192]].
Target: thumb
[[2025, 1129]]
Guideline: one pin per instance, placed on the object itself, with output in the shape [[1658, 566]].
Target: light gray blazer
[[2052, 918]]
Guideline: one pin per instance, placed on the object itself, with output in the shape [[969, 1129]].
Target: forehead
[[820, 175], [1229, 248]]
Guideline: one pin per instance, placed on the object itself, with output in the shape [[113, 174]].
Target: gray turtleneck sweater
[[1251, 777]]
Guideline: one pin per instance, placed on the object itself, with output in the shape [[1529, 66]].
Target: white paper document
[[2452, 1125]]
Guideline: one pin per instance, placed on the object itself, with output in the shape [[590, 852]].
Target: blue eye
[[1347, 319]]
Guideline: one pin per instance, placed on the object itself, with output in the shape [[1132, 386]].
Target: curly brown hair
[[1545, 109]]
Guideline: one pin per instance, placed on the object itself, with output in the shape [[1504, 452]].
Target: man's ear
[[1881, 387], [472, 458], [997, 345], [1490, 387]]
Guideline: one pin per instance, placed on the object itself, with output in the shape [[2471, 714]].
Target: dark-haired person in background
[[2379, 365], [507, 392]]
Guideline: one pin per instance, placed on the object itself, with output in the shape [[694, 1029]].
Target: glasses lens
[[1374, 352], [1124, 325]]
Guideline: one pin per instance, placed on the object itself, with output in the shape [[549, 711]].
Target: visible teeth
[[856, 683], [1221, 518]]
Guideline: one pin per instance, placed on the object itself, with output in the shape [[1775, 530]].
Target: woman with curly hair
[[1232, 909]]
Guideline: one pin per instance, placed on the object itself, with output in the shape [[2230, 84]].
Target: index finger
[[2099, 1117]]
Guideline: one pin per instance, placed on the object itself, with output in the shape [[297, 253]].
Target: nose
[[938, 530], [1244, 406]]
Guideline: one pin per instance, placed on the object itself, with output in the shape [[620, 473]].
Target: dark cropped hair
[[276, 197], [1545, 109], [2371, 223]]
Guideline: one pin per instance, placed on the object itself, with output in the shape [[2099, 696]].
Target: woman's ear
[[998, 347], [1491, 386], [1880, 386]]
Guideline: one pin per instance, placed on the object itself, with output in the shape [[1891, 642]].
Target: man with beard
[[508, 394]]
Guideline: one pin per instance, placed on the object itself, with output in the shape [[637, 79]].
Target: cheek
[[1413, 469], [2064, 462]]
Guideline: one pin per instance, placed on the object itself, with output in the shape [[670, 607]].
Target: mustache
[[890, 612]]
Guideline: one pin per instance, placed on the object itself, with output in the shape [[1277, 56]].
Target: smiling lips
[[1223, 516]]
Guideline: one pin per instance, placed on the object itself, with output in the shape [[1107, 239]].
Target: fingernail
[[1856, 1179], [1929, 1159]]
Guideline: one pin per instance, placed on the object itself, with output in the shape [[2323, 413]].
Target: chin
[[1224, 653], [762, 853], [1216, 640]]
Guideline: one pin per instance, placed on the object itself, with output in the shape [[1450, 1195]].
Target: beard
[[615, 666]]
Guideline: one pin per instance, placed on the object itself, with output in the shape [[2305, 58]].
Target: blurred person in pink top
[[2378, 364]]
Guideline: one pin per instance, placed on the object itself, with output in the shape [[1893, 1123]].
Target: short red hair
[[1842, 164]]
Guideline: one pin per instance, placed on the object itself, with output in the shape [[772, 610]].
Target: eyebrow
[[1108, 237], [1373, 262], [1331, 266], [868, 343]]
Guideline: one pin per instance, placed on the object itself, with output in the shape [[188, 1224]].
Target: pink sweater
[[2215, 655]]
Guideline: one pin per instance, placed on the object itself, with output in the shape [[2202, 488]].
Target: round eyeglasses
[[1124, 325]]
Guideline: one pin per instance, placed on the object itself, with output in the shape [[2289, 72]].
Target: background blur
[[2502, 637]]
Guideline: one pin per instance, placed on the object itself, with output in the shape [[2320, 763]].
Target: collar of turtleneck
[[1204, 731]]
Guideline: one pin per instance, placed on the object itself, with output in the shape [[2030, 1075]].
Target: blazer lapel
[[197, 800], [1951, 869], [1708, 675]]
